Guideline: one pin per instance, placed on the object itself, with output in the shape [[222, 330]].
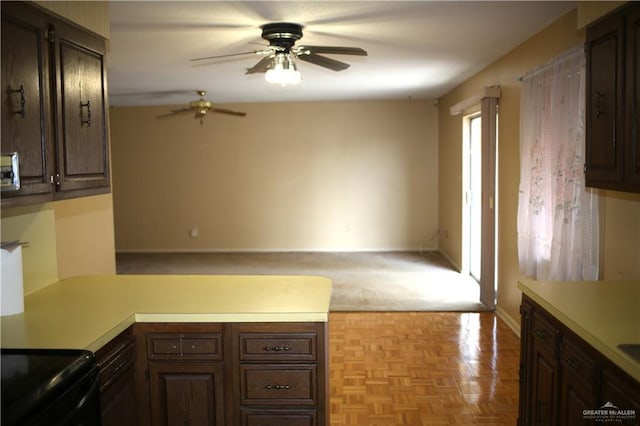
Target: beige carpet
[[362, 281]]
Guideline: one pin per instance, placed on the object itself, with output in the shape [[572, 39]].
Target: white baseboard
[[274, 250], [512, 323], [455, 264]]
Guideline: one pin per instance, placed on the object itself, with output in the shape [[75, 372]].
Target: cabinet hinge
[[55, 179], [50, 35], [585, 168]]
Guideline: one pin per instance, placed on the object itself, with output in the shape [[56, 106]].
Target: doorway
[[472, 190], [479, 165]]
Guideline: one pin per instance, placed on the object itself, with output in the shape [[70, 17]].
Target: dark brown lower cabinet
[[563, 378], [249, 374], [117, 381], [279, 417], [280, 373], [189, 394]]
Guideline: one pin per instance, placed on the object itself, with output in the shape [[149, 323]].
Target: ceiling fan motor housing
[[282, 34]]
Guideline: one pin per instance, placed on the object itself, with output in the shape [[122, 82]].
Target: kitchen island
[[247, 349]]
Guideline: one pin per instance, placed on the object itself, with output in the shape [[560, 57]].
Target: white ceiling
[[417, 49]]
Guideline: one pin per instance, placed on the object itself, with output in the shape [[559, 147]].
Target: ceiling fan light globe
[[283, 72], [283, 76]]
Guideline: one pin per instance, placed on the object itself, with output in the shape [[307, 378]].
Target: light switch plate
[[9, 172]]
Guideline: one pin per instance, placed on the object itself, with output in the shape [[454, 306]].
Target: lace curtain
[[557, 215]]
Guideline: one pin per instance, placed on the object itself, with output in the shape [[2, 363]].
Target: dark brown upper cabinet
[[26, 112], [53, 106], [613, 96]]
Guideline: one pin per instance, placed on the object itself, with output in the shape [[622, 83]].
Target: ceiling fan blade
[[323, 61], [230, 54], [174, 112], [262, 65], [156, 94], [338, 50], [228, 111]]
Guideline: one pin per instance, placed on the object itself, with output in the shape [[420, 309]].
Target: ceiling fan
[[281, 51], [201, 107]]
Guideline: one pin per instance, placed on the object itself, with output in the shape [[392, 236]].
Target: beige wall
[[66, 238], [288, 176], [621, 227], [589, 11], [93, 15]]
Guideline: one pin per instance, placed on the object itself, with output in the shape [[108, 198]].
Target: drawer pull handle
[[277, 348], [278, 387], [541, 334], [86, 105], [599, 110], [118, 368], [571, 363], [22, 110]]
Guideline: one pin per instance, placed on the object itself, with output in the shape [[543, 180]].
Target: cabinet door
[[632, 155], [623, 392], [578, 381], [526, 349], [605, 103], [544, 389], [25, 97], [117, 381], [118, 401], [184, 393], [82, 147], [544, 386]]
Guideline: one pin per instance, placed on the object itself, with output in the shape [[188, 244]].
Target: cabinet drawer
[[575, 360], [191, 346], [115, 360], [292, 384], [545, 333], [278, 346], [279, 418]]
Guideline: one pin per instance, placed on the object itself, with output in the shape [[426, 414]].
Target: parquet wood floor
[[422, 368]]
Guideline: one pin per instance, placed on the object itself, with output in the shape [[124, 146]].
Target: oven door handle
[[89, 388], [91, 392]]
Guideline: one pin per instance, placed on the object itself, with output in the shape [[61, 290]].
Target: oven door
[[49, 387]]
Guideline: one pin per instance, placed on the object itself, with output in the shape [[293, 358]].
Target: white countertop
[[603, 313], [86, 312]]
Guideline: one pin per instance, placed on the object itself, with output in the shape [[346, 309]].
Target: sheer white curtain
[[557, 216]]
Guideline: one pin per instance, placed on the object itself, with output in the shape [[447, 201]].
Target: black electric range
[[53, 387]]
